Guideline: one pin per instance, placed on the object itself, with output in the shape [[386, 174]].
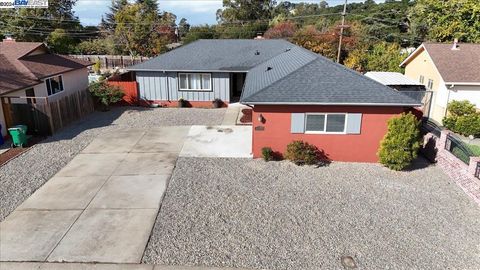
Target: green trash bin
[[19, 135]]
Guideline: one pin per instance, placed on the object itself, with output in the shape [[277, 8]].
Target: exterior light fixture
[[261, 119]]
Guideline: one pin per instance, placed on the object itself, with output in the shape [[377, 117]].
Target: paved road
[[101, 207]]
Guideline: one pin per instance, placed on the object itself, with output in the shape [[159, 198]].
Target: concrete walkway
[[218, 141], [101, 207]]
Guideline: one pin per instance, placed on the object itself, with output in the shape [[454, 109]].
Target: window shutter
[[298, 123], [354, 123]]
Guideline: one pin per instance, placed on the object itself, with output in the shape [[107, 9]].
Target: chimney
[[455, 44], [259, 36], [8, 38]]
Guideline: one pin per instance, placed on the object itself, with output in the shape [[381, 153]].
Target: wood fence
[[43, 116], [112, 61], [129, 89]]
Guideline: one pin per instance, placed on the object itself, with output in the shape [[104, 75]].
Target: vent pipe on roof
[[257, 52], [8, 38], [259, 36], [455, 44]]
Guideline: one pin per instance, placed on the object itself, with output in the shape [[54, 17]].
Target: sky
[[195, 11]]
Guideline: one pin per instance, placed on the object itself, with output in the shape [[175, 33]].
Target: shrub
[[106, 94], [468, 125], [463, 118], [461, 108], [96, 67], [400, 145], [267, 153], [300, 152]]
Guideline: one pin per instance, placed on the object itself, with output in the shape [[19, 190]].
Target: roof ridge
[[281, 79]]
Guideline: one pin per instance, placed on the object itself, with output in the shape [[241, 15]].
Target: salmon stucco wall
[[363, 147]]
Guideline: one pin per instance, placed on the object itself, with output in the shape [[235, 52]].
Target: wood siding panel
[[164, 86]]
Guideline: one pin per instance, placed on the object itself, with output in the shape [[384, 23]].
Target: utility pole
[[344, 13]]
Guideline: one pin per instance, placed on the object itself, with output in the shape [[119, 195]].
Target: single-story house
[[295, 94], [451, 71], [29, 69]]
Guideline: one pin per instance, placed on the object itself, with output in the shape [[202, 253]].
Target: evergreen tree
[[108, 22], [400, 145]]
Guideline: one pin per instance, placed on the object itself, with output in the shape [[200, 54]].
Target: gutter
[[334, 104], [463, 83], [193, 71]]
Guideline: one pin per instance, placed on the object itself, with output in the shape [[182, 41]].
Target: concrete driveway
[[101, 207], [218, 141]]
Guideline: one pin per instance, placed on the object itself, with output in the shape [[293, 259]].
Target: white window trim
[[422, 79], [46, 88], [201, 81], [325, 124], [430, 87]]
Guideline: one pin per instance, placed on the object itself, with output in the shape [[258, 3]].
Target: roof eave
[[192, 70], [412, 55], [463, 83], [333, 104]]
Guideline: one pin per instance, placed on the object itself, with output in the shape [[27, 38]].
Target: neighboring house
[[451, 72], [396, 80], [28, 69], [295, 94]]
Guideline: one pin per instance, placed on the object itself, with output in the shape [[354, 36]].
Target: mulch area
[[247, 116], [14, 152]]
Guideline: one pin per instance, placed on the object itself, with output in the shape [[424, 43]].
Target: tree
[[442, 21], [108, 23], [201, 32], [141, 30], [400, 145], [381, 56], [97, 46], [60, 42], [24, 24], [245, 10], [281, 30], [183, 27]]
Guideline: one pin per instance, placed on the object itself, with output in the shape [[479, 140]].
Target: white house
[[29, 69]]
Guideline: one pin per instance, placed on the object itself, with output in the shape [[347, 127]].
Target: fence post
[[442, 140], [472, 167], [49, 115]]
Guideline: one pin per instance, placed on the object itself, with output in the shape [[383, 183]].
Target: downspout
[[448, 99], [168, 85]]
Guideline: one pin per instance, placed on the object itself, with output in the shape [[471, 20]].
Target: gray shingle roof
[[282, 73], [216, 55], [275, 69], [319, 81]]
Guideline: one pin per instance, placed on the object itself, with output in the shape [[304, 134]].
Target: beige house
[[29, 69], [451, 71]]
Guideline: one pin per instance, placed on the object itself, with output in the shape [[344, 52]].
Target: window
[[54, 85], [325, 123], [195, 81], [430, 84], [422, 79]]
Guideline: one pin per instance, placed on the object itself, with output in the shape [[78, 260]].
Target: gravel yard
[[20, 177], [248, 213]]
